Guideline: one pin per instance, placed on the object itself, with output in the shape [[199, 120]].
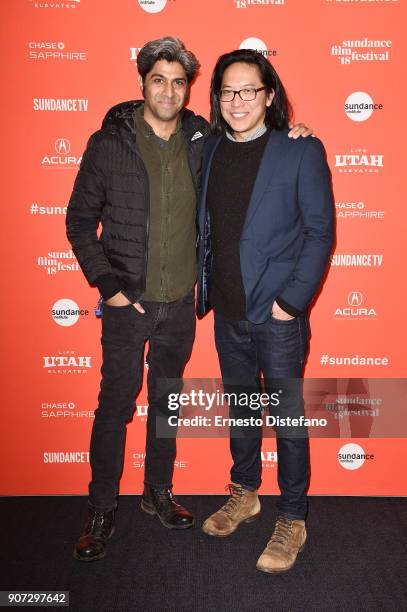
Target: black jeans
[[170, 329], [277, 349]]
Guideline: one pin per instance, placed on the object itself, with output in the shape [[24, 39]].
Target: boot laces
[[96, 523], [165, 494], [236, 495], [282, 530]]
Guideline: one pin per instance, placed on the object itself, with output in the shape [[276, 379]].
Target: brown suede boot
[[287, 541], [242, 505]]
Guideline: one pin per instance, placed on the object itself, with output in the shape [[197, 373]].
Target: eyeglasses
[[247, 94]]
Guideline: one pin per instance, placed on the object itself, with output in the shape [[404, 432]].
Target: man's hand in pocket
[[279, 313], [119, 300]]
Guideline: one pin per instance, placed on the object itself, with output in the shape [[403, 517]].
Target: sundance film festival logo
[[352, 456], [258, 45], [46, 50], [58, 261], [71, 4], [359, 106], [66, 312], [359, 161], [357, 260], [241, 4], [364, 50], [356, 210], [355, 308], [70, 105], [62, 157], [349, 406], [66, 362]]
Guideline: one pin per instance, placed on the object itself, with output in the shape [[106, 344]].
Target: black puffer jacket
[[112, 188]]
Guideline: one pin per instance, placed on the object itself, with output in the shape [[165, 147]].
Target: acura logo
[[62, 146], [355, 298]]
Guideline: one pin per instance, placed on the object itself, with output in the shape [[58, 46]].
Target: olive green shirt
[[171, 263]]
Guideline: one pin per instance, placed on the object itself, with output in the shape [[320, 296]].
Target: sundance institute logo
[[152, 6], [258, 45], [66, 312], [359, 106], [352, 456]]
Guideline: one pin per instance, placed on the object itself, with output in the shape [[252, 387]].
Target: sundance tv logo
[[359, 161], [63, 158], [355, 308], [69, 105], [66, 457], [258, 45], [357, 260]]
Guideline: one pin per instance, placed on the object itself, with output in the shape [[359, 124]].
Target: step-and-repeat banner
[[64, 64]]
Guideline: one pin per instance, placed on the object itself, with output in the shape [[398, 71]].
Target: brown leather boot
[[242, 505], [287, 541]]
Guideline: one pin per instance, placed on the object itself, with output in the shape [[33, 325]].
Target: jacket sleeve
[[316, 203], [84, 213]]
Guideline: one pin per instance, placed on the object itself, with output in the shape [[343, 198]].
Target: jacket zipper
[[146, 224]]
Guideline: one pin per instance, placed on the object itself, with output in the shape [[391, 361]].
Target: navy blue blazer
[[288, 231]]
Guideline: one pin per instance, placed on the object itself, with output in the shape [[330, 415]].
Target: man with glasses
[[266, 230]]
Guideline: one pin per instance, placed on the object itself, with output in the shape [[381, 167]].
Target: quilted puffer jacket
[[112, 188]]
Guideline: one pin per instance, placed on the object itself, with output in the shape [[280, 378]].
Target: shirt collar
[[145, 128], [256, 134]]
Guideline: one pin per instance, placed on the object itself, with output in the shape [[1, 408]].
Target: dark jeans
[[170, 329], [277, 349]]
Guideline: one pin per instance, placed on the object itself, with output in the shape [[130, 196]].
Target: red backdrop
[[64, 64]]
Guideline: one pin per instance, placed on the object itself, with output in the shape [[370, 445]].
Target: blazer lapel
[[268, 166]]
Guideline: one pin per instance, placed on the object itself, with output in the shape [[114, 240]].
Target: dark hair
[[167, 48], [277, 115]]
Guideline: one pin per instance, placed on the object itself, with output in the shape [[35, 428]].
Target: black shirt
[[231, 180]]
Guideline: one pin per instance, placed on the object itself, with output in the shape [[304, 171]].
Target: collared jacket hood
[[122, 116]]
